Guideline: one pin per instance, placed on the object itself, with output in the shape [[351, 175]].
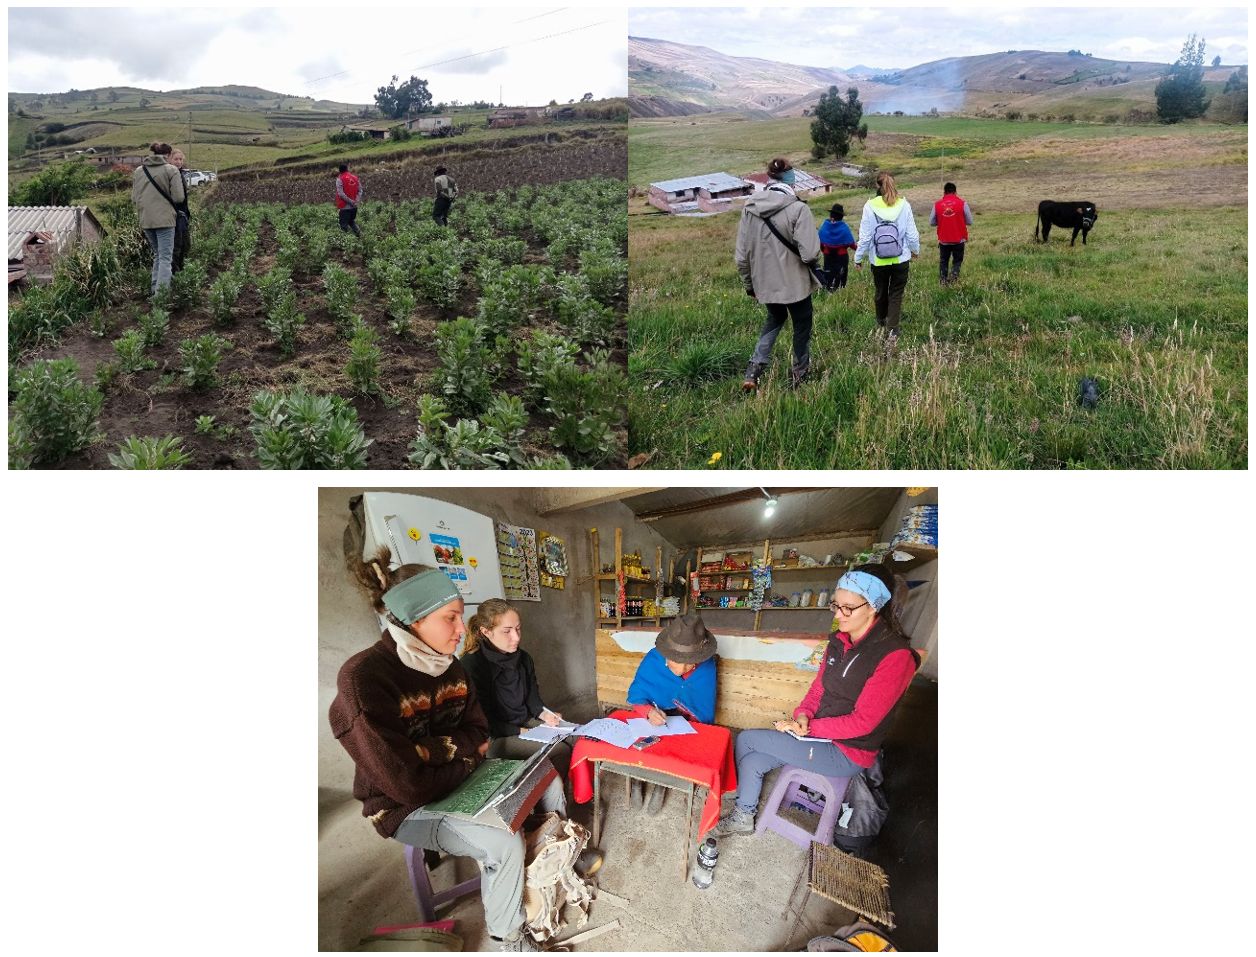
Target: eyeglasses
[[845, 609]]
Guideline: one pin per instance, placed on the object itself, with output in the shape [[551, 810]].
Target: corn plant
[[364, 355], [223, 293], [297, 430], [150, 453], [283, 322], [466, 365], [130, 351], [187, 287], [153, 326], [93, 272], [200, 358], [54, 410], [341, 287]]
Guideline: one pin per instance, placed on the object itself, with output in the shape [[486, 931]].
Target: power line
[[468, 56]]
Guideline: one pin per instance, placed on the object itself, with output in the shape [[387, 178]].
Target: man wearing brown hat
[[676, 677]]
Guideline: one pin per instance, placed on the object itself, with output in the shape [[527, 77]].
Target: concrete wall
[[558, 631]]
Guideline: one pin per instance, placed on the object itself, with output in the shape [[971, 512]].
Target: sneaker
[[737, 822], [589, 861], [657, 796]]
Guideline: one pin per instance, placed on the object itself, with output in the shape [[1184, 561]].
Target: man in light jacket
[[155, 189], [776, 274], [446, 193]]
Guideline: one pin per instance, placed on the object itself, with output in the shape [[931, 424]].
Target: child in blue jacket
[[836, 240]]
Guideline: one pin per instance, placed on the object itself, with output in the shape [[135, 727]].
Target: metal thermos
[[704, 866]]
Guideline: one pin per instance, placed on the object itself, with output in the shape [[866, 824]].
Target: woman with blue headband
[[409, 717], [866, 667]]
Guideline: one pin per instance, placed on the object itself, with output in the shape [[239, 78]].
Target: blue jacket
[[655, 684], [836, 234]]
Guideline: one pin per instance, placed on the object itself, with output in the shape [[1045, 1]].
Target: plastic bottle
[[704, 866]]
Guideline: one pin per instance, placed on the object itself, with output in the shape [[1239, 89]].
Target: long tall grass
[[986, 373]]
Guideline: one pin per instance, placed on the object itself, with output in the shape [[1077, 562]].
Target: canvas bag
[[869, 809], [550, 878]]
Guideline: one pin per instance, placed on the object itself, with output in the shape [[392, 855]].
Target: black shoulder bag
[[182, 232], [793, 247]]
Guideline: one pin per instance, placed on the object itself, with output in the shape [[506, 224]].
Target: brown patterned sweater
[[412, 737]]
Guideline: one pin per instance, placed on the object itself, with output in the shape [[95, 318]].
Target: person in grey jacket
[[889, 271], [156, 212], [446, 192], [776, 275]]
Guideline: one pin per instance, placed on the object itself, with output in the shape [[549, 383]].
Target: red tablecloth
[[705, 758]]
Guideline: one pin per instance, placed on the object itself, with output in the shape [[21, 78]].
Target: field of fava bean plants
[[285, 343]]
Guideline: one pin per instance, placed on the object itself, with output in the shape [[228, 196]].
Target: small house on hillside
[[428, 124], [517, 116], [40, 235], [805, 184], [692, 195], [375, 130]]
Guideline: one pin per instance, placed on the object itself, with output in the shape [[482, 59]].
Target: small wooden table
[[685, 763]]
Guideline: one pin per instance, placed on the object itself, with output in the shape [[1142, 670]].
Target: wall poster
[[516, 554], [553, 556]]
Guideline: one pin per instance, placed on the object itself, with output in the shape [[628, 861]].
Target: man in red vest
[[348, 192], [952, 217]]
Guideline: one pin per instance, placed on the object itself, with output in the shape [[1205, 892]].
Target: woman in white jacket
[[888, 237]]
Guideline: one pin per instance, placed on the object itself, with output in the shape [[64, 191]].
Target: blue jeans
[[162, 242], [761, 750]]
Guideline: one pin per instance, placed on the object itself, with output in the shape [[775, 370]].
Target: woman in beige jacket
[[156, 188], [778, 276]]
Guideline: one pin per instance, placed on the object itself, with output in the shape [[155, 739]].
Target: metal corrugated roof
[[712, 182], [61, 221]]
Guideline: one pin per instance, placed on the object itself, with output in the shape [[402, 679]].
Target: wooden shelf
[[707, 591], [776, 570], [788, 608]]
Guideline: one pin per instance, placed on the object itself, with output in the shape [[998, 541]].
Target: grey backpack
[[887, 242]]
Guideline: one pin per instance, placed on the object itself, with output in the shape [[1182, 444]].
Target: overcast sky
[[341, 54], [885, 35]]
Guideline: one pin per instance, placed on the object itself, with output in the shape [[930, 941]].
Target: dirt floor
[[363, 883]]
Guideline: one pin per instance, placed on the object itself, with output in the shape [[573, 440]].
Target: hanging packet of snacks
[[761, 576]]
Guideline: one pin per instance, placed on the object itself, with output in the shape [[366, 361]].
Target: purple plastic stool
[[786, 792], [428, 900]]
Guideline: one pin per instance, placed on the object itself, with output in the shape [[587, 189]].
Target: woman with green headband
[[866, 668], [408, 716]]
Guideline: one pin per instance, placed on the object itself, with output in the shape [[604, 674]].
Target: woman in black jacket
[[505, 679]]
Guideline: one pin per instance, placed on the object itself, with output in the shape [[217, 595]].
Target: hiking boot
[[891, 341], [636, 794], [589, 861], [657, 795], [518, 941], [754, 372], [736, 822], [797, 376]]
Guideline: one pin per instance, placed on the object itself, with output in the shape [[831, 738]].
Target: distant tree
[[1230, 106], [58, 185], [114, 96], [1180, 95], [144, 102], [553, 102], [837, 121], [396, 101], [586, 98], [1216, 61]]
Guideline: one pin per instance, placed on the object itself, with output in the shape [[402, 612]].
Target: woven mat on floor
[[856, 885]]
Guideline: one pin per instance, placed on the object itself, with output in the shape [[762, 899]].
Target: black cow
[[1080, 216]]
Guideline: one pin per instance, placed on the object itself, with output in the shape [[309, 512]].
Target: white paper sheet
[[609, 730], [545, 734], [675, 725]]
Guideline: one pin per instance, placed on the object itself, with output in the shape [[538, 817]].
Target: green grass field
[[986, 373]]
